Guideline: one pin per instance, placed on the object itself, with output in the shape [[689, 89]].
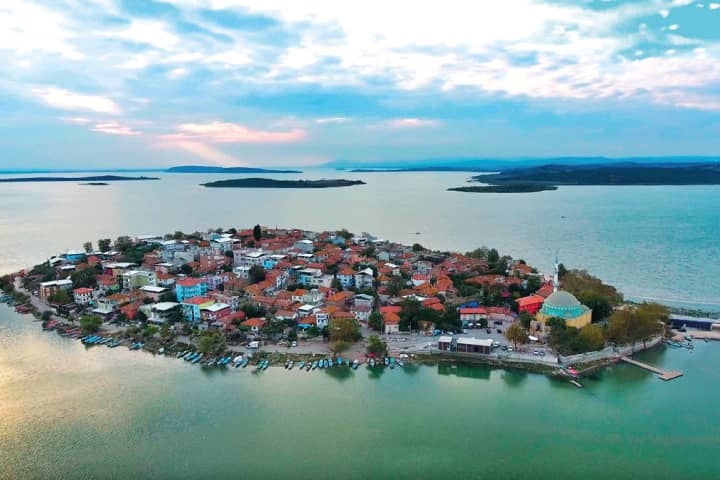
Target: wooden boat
[[387, 361]]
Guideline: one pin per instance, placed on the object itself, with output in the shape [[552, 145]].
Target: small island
[[98, 179], [511, 188], [272, 183], [95, 184]]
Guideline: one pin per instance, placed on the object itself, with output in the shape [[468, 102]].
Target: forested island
[[94, 179], [95, 184], [211, 169], [511, 188], [614, 174], [272, 183]]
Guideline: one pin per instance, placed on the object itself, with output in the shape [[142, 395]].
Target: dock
[[662, 374]]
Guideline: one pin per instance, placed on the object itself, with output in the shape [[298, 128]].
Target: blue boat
[[314, 365], [197, 359], [180, 354], [392, 365], [400, 362], [387, 361], [321, 364], [372, 363], [328, 363], [301, 365], [266, 365], [392, 360], [245, 362], [339, 361], [355, 364], [290, 366]]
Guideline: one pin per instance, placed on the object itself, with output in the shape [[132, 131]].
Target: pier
[[662, 374]]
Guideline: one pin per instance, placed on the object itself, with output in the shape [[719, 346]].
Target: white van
[[254, 345]]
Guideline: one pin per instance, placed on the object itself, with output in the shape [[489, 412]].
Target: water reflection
[[339, 373], [464, 371], [514, 378]]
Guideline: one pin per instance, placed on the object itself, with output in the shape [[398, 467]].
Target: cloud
[[411, 122], [223, 132], [67, 100], [326, 120], [714, 6], [203, 151], [177, 73], [114, 128], [76, 120]]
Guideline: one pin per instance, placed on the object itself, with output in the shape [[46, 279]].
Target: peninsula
[[273, 183], [509, 188], [94, 179], [331, 299]]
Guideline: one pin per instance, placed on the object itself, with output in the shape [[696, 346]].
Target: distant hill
[[627, 173], [273, 183], [94, 179], [211, 169]]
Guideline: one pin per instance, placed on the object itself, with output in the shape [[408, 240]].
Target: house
[[391, 323], [445, 343], [152, 292], [365, 278], [322, 318], [309, 276], [84, 296], [160, 312], [305, 246], [242, 271], [473, 345], [214, 312], [530, 304], [48, 289], [138, 278], [190, 287], [248, 258], [306, 310], [418, 280], [346, 277], [255, 324], [472, 314], [362, 300], [192, 307]]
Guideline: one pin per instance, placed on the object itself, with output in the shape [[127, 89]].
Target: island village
[[313, 300]]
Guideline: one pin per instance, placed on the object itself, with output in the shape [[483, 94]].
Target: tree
[[123, 243], [46, 315], [211, 342], [335, 284], [492, 257], [178, 235], [592, 337], [186, 269], [292, 335], [141, 317], [344, 233], [257, 233], [600, 305], [375, 321], [417, 247], [579, 282], [90, 324], [60, 297], [376, 346], [344, 330], [85, 278], [87, 246], [395, 286], [632, 323], [525, 319], [516, 334], [339, 346], [104, 244], [149, 331], [257, 274]]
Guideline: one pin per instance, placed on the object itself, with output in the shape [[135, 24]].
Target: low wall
[[610, 352]]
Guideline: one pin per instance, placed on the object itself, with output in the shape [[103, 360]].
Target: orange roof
[[255, 322], [530, 300], [391, 309], [83, 290], [198, 300], [191, 282], [391, 318]]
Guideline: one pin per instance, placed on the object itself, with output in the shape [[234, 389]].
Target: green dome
[[562, 299]]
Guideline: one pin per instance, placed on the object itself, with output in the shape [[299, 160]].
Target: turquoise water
[[68, 411], [653, 242]]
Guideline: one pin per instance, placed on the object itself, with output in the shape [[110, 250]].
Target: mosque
[[564, 305]]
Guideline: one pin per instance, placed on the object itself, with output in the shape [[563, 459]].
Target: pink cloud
[[114, 128], [224, 132], [411, 122]]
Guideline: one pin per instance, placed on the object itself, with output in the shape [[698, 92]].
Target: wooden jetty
[[662, 374]]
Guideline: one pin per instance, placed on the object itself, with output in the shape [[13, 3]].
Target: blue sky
[[130, 83]]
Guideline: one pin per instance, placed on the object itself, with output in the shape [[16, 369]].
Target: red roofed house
[[391, 322], [473, 314], [530, 304], [83, 296], [255, 324]]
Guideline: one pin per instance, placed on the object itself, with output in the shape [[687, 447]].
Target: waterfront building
[[564, 305], [84, 296], [190, 287], [48, 289], [193, 306]]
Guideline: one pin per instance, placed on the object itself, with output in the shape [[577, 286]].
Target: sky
[[130, 83]]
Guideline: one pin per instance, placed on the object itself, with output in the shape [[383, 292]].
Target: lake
[[70, 411], [655, 243]]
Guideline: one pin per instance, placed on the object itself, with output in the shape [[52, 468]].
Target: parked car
[[293, 344], [510, 349], [504, 348], [499, 331], [536, 353], [488, 330]]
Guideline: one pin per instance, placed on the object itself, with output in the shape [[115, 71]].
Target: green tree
[[212, 343], [257, 233], [344, 233], [257, 274], [149, 331], [600, 304], [525, 319], [376, 346], [186, 269], [339, 346], [516, 334], [46, 315], [592, 337], [417, 247], [85, 278], [395, 286], [123, 243], [344, 330], [61, 297], [87, 246], [178, 235], [167, 297], [140, 316], [104, 244], [375, 321], [90, 324], [336, 284]]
